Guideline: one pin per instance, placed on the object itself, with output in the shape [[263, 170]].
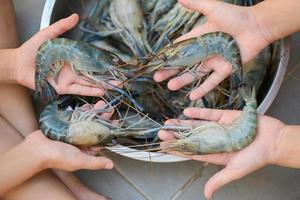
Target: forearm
[[18, 165], [287, 149], [8, 30], [8, 66], [69, 179], [16, 107], [278, 18]]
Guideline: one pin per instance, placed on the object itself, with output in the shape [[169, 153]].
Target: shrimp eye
[[164, 57], [140, 29]]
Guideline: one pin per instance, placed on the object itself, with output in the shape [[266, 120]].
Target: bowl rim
[[167, 158], [279, 77]]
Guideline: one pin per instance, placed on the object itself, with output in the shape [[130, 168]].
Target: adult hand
[[259, 153], [64, 156], [68, 82], [240, 22]]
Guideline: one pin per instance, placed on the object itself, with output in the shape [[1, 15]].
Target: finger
[[218, 159], [209, 84], [91, 148], [203, 113], [220, 179], [92, 151], [110, 85], [116, 83], [179, 154], [211, 114], [178, 122], [165, 135], [57, 28], [197, 31], [203, 6], [162, 75], [181, 81], [91, 162], [89, 152], [219, 65], [101, 105], [97, 149], [81, 81], [189, 123], [107, 116], [83, 90]]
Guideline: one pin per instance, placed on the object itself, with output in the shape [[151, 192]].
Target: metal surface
[[55, 10]]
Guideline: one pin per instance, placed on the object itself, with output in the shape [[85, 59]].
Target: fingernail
[[157, 77], [193, 97], [187, 111], [183, 1], [109, 165]]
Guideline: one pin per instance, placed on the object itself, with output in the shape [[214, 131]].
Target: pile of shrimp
[[127, 42]]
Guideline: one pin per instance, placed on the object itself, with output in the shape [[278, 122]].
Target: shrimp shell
[[212, 137]]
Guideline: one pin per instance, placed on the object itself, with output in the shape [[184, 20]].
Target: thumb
[[94, 163], [197, 31], [203, 6], [220, 179], [55, 29]]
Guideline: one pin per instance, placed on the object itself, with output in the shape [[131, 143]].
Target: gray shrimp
[[161, 7], [253, 74], [255, 71], [84, 59], [188, 53], [131, 22], [213, 137], [172, 23], [85, 128], [148, 5], [57, 125], [104, 44], [99, 19]]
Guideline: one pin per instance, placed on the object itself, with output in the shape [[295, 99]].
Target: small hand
[[240, 22], [258, 154], [63, 156], [68, 82]]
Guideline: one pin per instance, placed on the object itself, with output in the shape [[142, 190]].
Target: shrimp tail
[[45, 91], [248, 94]]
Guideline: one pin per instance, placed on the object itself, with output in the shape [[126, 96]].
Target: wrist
[[8, 68], [20, 76], [274, 26], [287, 147], [35, 148], [264, 25]]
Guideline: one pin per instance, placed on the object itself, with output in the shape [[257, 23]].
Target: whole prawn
[[57, 125], [213, 137], [188, 53], [160, 8], [85, 128], [172, 23], [132, 24], [84, 59]]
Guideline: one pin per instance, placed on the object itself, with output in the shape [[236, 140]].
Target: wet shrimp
[[213, 137]]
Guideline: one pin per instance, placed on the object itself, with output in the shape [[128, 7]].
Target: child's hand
[[261, 152], [68, 82], [240, 22], [59, 155]]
